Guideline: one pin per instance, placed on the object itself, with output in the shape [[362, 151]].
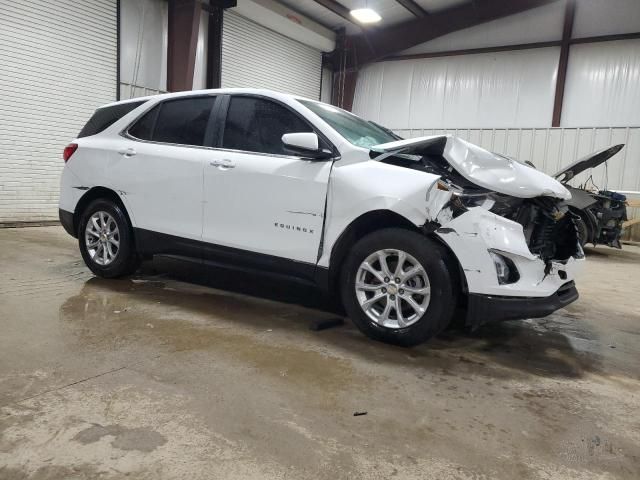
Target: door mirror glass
[[305, 144]]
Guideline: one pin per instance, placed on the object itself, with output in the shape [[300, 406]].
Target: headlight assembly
[[469, 198]]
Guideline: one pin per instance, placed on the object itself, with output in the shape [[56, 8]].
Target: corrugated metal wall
[[254, 56], [602, 88], [505, 89], [58, 64], [143, 47]]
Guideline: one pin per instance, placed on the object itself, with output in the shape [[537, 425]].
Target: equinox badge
[[295, 228]]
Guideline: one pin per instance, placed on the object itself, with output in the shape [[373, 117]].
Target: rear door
[[159, 162], [258, 197]]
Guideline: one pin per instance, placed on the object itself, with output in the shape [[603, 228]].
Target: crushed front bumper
[[482, 309], [541, 288]]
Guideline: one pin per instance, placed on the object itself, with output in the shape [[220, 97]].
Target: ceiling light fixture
[[365, 15]]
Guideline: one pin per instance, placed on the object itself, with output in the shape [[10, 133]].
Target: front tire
[[397, 288], [106, 241], [584, 232]]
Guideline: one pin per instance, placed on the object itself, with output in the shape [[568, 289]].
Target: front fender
[[358, 188]]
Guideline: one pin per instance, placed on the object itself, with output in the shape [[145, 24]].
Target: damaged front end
[[549, 227], [508, 224]]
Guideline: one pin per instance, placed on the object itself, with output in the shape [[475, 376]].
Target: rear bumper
[[66, 219], [483, 309]]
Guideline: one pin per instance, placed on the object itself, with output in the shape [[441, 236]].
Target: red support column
[[564, 62], [184, 23], [344, 78]]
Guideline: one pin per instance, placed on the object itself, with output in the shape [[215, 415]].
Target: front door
[[258, 197]]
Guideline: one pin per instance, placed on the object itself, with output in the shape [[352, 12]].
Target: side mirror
[[306, 145]]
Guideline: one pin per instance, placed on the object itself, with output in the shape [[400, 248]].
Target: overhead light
[[365, 15]]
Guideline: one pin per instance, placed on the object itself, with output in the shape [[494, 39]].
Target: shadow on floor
[[558, 346]]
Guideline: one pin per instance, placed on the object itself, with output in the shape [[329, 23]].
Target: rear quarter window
[[106, 116]]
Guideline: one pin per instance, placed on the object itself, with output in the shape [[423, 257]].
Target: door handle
[[222, 164], [127, 152]]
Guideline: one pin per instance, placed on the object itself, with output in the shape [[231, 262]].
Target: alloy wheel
[[102, 238], [392, 288]]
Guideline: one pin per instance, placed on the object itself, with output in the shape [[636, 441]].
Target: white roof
[[254, 91]]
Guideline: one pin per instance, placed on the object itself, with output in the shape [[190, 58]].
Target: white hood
[[485, 169]]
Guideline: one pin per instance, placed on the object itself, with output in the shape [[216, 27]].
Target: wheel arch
[[378, 220], [363, 225], [93, 194]]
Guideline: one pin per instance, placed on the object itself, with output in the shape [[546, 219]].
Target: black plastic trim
[[150, 243], [483, 309], [66, 219]]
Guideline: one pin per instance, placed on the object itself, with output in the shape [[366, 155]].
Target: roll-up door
[[57, 64], [256, 57]]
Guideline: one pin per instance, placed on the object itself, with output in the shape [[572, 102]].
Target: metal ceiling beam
[[413, 7], [338, 9], [390, 40]]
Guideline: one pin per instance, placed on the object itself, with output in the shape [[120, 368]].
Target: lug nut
[[392, 297], [386, 279], [384, 290], [397, 280], [401, 292]]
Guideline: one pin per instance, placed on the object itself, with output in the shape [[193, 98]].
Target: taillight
[[68, 151]]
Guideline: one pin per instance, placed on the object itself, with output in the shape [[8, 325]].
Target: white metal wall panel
[[57, 64], [143, 47], [602, 86], [542, 24], [606, 17], [327, 85], [254, 56], [504, 89], [200, 67]]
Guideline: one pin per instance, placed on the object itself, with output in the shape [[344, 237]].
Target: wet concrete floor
[[155, 378]]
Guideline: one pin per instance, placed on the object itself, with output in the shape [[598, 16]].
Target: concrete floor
[[154, 378]]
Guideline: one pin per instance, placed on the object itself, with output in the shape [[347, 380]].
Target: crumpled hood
[[485, 169]]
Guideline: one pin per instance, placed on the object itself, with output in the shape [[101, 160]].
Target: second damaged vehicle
[[406, 232], [600, 213]]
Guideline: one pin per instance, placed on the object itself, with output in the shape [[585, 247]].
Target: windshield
[[356, 130]]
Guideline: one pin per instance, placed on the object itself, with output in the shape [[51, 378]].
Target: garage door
[[57, 64], [256, 57]]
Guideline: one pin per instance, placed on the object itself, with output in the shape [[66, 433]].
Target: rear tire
[[106, 241], [421, 288]]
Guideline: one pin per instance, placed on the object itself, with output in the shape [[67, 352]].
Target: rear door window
[[183, 121], [104, 117], [257, 125]]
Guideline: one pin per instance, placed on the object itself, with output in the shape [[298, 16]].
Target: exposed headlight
[[483, 200], [468, 199], [505, 269]]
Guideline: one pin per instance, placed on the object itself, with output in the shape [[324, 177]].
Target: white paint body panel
[[191, 192], [265, 204]]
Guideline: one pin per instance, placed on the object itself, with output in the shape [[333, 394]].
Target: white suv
[[406, 231]]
